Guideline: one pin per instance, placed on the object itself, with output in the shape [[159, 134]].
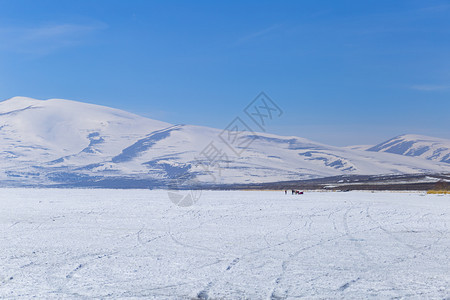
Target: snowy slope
[[418, 146], [66, 142], [273, 158], [35, 133], [63, 127], [359, 147]]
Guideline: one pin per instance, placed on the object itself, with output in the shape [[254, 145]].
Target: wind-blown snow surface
[[230, 245], [69, 143]]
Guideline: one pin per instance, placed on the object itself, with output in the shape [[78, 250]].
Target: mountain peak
[[20, 98], [68, 109], [417, 137], [430, 148]]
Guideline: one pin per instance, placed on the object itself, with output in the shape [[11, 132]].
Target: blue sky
[[344, 72]]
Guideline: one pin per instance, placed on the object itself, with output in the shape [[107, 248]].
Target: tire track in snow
[[349, 234], [275, 294], [389, 233]]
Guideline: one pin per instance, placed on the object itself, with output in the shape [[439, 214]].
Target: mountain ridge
[[430, 148], [63, 142]]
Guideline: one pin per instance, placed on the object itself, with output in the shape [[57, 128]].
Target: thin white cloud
[[45, 39], [430, 87], [258, 34], [436, 8]]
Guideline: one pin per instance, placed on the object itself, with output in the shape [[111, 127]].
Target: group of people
[[294, 192]]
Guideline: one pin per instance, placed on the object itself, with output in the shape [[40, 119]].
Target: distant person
[[285, 192]]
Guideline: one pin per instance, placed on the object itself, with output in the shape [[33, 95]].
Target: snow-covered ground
[[229, 245]]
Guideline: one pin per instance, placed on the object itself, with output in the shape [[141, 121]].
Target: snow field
[[68, 243]]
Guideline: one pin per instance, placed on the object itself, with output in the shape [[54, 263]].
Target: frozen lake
[[229, 245]]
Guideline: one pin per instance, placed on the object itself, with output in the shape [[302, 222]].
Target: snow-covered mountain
[[418, 146], [51, 142]]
